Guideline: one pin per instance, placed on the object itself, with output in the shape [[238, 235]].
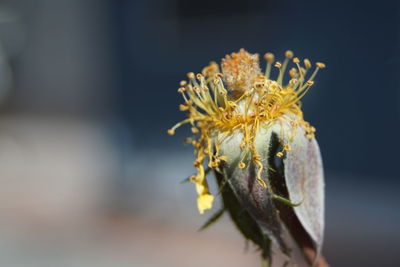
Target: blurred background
[[88, 176]]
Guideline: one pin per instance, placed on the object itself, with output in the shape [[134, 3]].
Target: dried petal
[[305, 183]]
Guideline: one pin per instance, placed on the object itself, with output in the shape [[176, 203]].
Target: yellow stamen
[[241, 100]]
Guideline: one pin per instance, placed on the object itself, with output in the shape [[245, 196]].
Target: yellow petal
[[204, 202], [201, 188]]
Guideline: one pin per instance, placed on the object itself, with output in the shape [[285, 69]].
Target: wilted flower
[[250, 130]]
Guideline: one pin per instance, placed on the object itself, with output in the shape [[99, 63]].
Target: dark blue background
[[355, 104]]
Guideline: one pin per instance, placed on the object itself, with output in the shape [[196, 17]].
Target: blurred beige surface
[[53, 168], [56, 180], [69, 199]]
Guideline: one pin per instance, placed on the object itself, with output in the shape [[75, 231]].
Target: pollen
[[242, 100], [240, 69]]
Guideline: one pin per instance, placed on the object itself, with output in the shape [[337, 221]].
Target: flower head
[[242, 100], [240, 70]]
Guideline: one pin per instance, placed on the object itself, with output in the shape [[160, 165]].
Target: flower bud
[[264, 154]]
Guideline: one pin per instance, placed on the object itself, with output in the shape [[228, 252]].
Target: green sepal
[[244, 222]]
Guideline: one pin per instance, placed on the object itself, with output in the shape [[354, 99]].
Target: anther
[[242, 146], [307, 63], [248, 93], [183, 107], [196, 163], [192, 178], [292, 82], [223, 158], [269, 57], [256, 158], [262, 183], [194, 130], [288, 54], [181, 89], [293, 72], [213, 164], [310, 136], [320, 65], [232, 104], [190, 75], [171, 131], [261, 78], [309, 83], [296, 60], [279, 154], [183, 83], [241, 165], [258, 85], [278, 64], [287, 147]]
